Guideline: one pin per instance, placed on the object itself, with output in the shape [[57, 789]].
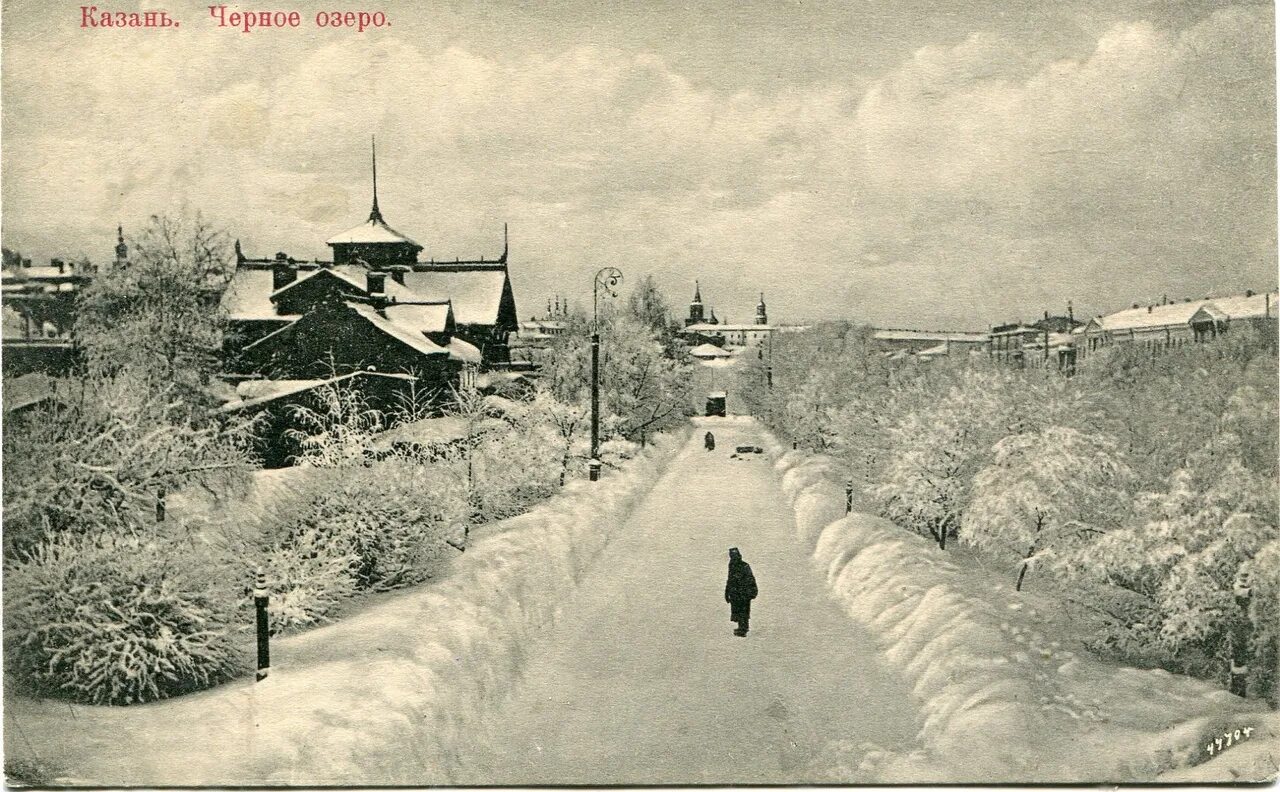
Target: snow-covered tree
[[159, 311], [643, 389], [1179, 562], [569, 425], [100, 456], [337, 430], [937, 448], [1043, 491]]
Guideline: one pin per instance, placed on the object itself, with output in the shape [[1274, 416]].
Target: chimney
[[1071, 314], [282, 272], [1248, 292], [1149, 308], [1135, 305], [60, 264], [376, 283]]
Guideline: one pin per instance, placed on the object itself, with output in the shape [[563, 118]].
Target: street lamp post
[[609, 277]]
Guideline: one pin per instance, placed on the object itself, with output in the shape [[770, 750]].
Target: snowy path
[[641, 681]]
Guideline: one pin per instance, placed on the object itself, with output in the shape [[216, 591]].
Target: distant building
[[39, 307], [927, 343], [1173, 324], [1048, 341], [700, 328]]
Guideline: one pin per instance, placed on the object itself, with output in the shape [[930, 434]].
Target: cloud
[[974, 182]]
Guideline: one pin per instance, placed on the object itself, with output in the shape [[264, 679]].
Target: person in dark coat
[[709, 441], [739, 590]]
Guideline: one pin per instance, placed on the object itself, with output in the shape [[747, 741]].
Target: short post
[[260, 599], [161, 493], [848, 496], [593, 470], [1240, 636]]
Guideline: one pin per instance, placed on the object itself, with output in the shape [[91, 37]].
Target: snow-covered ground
[[383, 697], [1007, 692], [642, 681]]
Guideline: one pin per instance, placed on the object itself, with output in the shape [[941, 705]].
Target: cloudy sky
[[912, 163]]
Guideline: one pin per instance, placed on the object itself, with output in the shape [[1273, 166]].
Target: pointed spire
[[122, 250], [697, 292], [375, 216], [503, 258]]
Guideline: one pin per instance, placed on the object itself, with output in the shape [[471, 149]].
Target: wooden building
[[375, 264]]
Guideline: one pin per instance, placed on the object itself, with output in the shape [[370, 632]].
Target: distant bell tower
[[122, 250], [762, 317], [695, 307]]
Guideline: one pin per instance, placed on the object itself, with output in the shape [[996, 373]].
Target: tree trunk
[[1025, 561], [1240, 644]]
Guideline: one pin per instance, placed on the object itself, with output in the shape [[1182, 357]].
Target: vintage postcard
[[679, 392]]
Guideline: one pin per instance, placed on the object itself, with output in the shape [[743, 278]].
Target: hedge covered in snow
[[384, 696], [1007, 691]]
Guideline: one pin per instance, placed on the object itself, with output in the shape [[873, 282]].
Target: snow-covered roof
[[475, 294], [1055, 340], [341, 273], [276, 389], [934, 351], [428, 431], [717, 395], [463, 351], [41, 272], [1209, 312], [941, 336], [709, 351], [706, 327], [421, 317], [371, 232], [410, 338], [1250, 306], [248, 296], [28, 390], [1149, 316]]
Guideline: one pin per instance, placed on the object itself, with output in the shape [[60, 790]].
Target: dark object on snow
[[739, 590], [716, 404], [750, 450], [709, 441]]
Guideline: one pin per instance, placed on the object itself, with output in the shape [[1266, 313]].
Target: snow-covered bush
[[513, 471], [308, 573], [394, 517], [368, 528], [1044, 491], [111, 618]]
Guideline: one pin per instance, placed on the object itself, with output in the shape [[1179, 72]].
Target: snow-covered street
[[641, 680]]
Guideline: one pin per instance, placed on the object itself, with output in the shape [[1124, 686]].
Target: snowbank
[[1006, 693], [382, 697]]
